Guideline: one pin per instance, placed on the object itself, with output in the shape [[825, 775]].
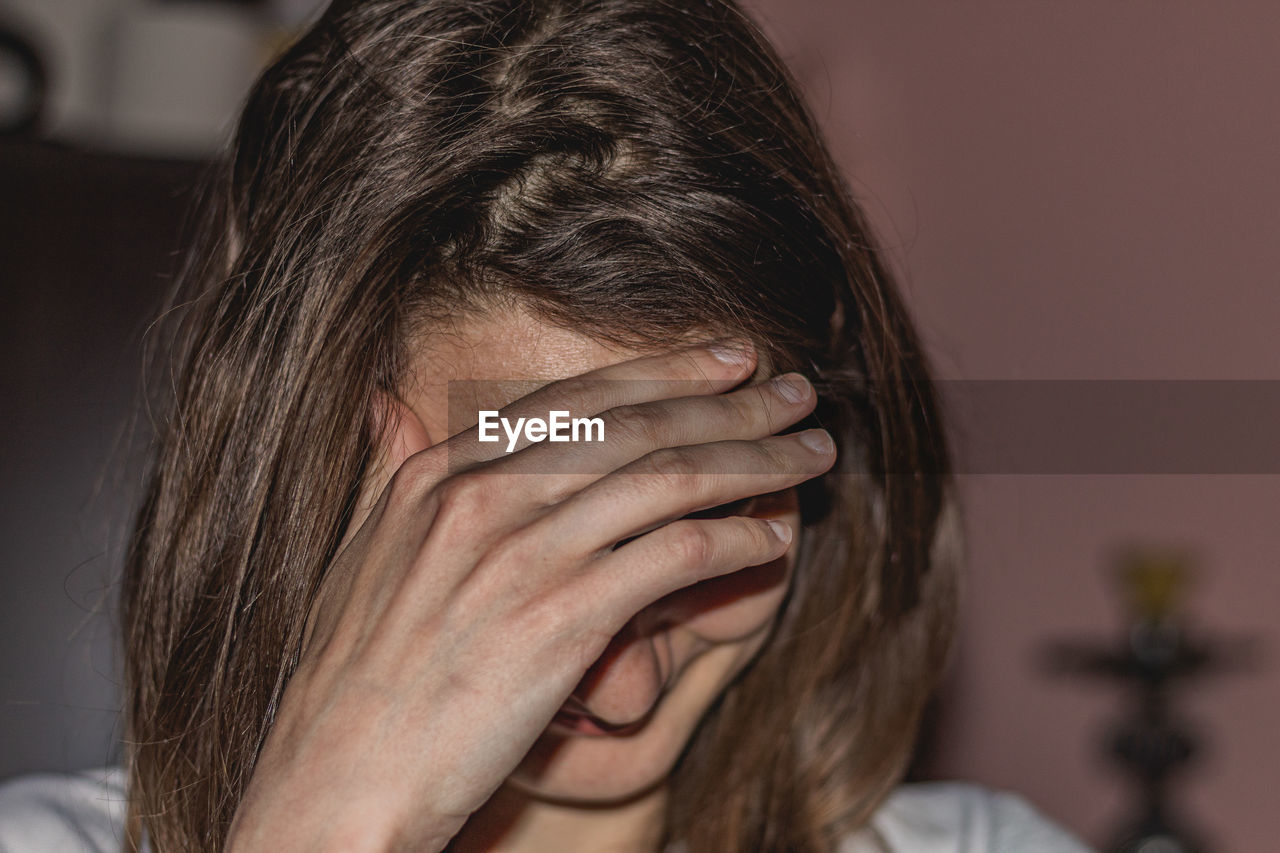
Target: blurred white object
[[293, 14], [178, 75], [69, 35], [23, 82]]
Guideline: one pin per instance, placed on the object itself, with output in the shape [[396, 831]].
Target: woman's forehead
[[483, 360], [508, 343]]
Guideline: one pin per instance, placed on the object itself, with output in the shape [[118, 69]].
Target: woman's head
[[633, 173], [629, 718]]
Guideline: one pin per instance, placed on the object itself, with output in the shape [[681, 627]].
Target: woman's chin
[[591, 767], [596, 769]]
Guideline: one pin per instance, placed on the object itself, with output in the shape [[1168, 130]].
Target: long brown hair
[[638, 169]]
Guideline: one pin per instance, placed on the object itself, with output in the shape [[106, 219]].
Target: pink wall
[[1085, 191]]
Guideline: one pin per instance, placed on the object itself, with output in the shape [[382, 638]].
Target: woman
[[352, 624]]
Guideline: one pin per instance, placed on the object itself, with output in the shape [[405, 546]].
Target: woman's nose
[[625, 682]]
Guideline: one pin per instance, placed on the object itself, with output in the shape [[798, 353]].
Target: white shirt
[[84, 813]]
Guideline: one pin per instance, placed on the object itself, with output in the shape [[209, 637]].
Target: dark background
[[88, 241]]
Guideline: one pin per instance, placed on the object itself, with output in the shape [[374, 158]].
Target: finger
[[672, 482], [676, 555], [702, 370], [632, 431]]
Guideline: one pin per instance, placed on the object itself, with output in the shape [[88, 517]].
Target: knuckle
[[676, 463], [575, 633], [572, 392], [497, 583], [463, 496], [753, 530], [521, 565], [507, 553], [670, 469], [557, 490], [414, 478], [691, 543], [552, 620], [640, 424], [771, 458], [742, 410], [546, 615]]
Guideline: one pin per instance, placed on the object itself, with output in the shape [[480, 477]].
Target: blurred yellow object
[[1155, 580]]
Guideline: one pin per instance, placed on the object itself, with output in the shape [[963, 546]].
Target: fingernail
[[782, 531], [737, 356], [792, 387], [817, 440]]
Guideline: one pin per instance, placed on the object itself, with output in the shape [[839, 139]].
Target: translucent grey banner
[[1120, 426], [1003, 426]]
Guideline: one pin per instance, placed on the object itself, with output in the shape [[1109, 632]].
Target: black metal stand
[[1151, 743]]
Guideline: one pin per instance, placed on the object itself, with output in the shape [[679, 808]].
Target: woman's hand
[[482, 586]]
